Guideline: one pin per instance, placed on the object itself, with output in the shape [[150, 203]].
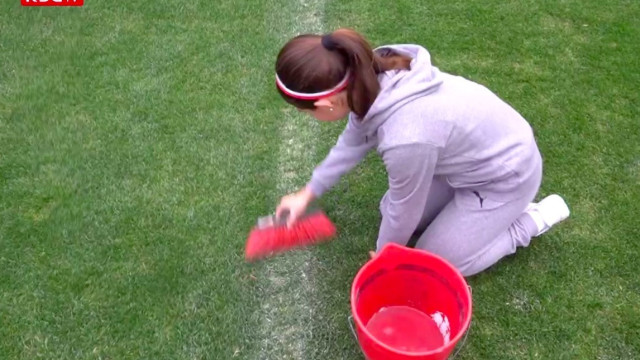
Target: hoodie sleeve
[[410, 169], [352, 146]]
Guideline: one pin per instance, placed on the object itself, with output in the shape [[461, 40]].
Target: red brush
[[272, 236]]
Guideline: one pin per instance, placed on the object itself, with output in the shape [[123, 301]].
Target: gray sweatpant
[[471, 230]]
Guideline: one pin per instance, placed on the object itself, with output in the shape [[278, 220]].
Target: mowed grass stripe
[[131, 166]]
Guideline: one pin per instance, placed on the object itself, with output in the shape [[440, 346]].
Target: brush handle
[[297, 203], [271, 220]]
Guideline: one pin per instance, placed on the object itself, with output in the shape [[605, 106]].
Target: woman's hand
[[294, 205]]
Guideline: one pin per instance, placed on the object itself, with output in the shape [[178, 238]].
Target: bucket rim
[[361, 326]]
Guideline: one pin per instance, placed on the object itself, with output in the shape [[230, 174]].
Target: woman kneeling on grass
[[463, 166]]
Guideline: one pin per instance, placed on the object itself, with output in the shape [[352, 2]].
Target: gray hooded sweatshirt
[[427, 123]]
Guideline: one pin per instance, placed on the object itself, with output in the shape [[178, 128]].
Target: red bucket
[[409, 304]]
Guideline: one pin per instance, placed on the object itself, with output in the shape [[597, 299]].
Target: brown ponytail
[[313, 63]]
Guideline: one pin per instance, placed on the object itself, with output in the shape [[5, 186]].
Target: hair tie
[[328, 43]]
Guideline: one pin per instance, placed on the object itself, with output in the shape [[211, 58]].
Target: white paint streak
[[288, 312]]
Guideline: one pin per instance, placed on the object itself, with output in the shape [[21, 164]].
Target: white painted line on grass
[[288, 311]]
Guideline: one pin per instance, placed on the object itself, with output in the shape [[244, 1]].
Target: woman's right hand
[[294, 205]]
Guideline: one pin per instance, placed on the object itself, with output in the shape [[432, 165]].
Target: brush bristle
[[269, 241]]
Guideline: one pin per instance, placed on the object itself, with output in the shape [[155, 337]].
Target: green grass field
[[139, 141]]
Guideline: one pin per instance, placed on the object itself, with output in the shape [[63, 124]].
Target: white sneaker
[[548, 212]]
